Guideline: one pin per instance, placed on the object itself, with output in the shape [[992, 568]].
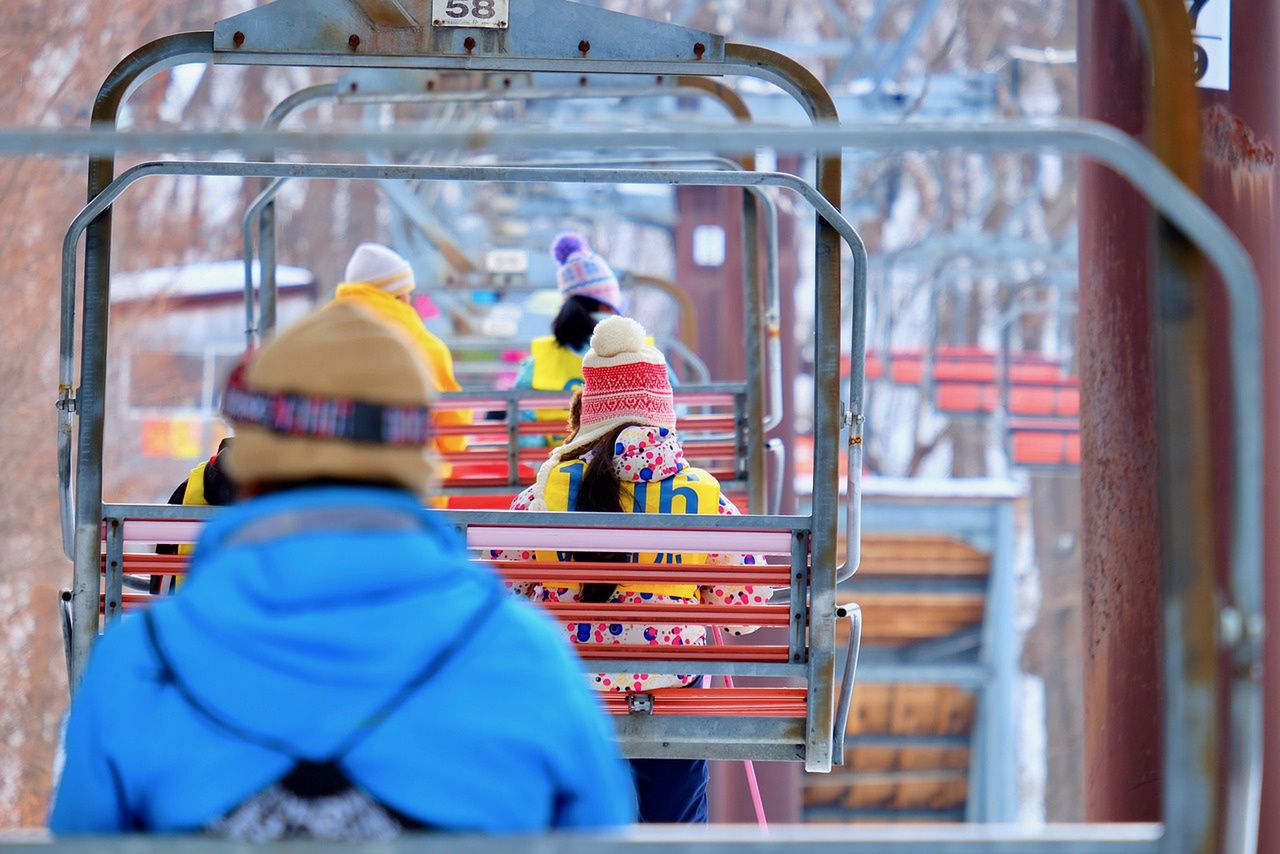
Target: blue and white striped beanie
[[584, 273]]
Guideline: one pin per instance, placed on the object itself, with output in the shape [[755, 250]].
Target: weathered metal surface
[[540, 29], [1120, 552]]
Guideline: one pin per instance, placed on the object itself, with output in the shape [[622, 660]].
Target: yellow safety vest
[[691, 491], [193, 494], [555, 368]]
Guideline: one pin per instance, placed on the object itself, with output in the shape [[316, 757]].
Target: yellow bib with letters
[[691, 491]]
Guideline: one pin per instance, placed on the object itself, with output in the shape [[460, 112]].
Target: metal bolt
[[699, 49], [431, 85], [238, 39], [506, 82], [469, 43], [582, 81], [584, 46], [353, 41], [1230, 626], [354, 86], [661, 77]]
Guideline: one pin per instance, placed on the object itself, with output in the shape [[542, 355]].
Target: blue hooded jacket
[[305, 613]]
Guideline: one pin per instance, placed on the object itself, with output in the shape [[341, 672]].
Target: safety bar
[[852, 417], [845, 700], [576, 572]]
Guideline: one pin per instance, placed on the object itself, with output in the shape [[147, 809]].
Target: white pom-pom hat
[[624, 382], [383, 268]]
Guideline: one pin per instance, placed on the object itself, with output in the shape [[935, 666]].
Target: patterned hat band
[[325, 418], [636, 390]]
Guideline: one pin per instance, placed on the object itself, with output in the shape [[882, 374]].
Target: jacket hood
[[644, 454], [306, 611]]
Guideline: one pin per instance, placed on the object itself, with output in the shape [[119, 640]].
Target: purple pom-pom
[[568, 244]]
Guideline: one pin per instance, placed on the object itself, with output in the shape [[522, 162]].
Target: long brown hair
[[599, 492]]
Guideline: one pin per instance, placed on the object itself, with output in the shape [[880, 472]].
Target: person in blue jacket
[[335, 666]]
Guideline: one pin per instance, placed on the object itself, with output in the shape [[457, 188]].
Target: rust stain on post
[[1232, 146], [1229, 141]]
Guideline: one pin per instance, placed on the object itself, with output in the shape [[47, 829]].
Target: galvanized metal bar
[[969, 675], [899, 742], [777, 452], [706, 667], [754, 339], [1000, 653], [817, 838], [91, 397], [470, 518], [826, 211], [745, 733], [268, 285], [913, 584], [849, 674], [854, 417], [114, 570], [797, 641]]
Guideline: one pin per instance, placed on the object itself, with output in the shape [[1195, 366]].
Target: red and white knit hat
[[624, 382]]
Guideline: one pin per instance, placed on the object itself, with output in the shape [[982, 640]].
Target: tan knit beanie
[[334, 359]]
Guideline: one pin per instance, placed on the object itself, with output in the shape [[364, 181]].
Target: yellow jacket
[[434, 353]]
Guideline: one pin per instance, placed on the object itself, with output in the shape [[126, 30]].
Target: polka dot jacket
[[629, 465]]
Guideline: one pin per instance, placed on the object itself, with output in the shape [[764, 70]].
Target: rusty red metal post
[[1121, 557]]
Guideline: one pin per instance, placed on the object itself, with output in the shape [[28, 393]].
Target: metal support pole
[[91, 396], [751, 311], [994, 765]]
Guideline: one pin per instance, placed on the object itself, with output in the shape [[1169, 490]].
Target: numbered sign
[[506, 262], [1211, 34], [471, 13]]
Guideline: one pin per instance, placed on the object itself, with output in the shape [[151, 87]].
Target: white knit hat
[[383, 268], [624, 382]]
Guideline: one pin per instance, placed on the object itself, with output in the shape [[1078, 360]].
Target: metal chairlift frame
[[1012, 314], [817, 747], [946, 282]]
